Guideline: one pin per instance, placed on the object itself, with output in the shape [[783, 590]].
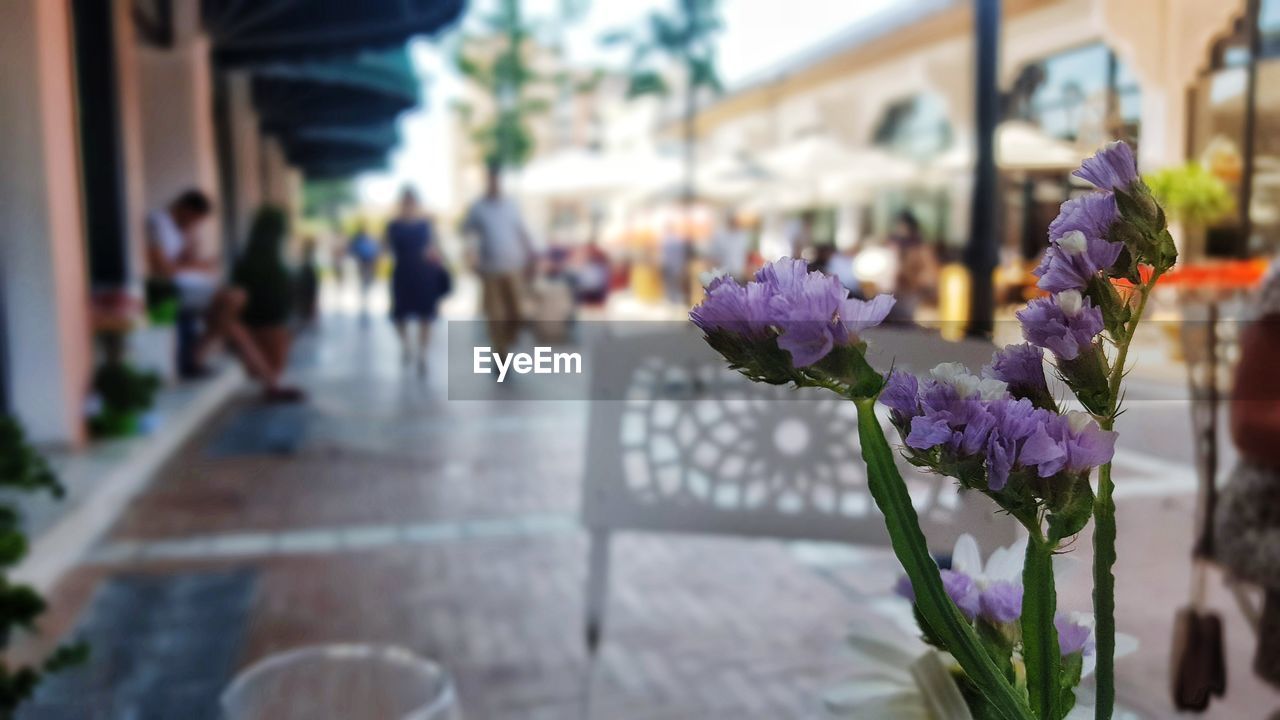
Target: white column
[[1166, 42], [42, 259], [176, 95], [129, 89], [246, 152], [275, 175]]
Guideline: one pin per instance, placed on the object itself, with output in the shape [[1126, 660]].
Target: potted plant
[[122, 395], [1194, 198]]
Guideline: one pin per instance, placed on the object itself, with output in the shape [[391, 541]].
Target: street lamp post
[[980, 254]]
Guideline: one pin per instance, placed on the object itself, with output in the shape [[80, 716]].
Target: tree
[[686, 38], [327, 198], [504, 140]]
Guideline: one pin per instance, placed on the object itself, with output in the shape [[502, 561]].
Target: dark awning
[[356, 148], [337, 115], [366, 89], [263, 31]]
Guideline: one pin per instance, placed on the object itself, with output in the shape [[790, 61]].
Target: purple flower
[[1073, 259], [929, 431], [1087, 444], [1001, 602], [1073, 443], [900, 394], [1021, 369], [959, 587], [1113, 168], [903, 589], [1065, 323], [1091, 214], [962, 591], [1016, 422], [815, 313], [1045, 450], [734, 308], [1073, 637], [782, 275], [811, 312]]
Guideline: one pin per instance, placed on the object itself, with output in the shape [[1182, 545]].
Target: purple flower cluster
[[810, 312], [1078, 245], [1073, 259], [1113, 168], [969, 418], [1065, 323]]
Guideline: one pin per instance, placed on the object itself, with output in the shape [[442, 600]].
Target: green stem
[[1104, 530], [940, 613], [1039, 635]]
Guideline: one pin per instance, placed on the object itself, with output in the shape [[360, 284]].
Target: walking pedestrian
[[364, 250], [418, 280], [501, 252]]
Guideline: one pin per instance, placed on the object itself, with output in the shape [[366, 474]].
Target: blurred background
[[246, 246]]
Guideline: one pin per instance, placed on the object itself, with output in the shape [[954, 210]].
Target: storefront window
[[1220, 134], [1269, 27], [1085, 94], [916, 127]]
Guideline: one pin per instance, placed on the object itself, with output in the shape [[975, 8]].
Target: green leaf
[[952, 629], [1039, 635]]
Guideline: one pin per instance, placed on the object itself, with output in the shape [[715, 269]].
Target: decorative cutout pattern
[[696, 447]]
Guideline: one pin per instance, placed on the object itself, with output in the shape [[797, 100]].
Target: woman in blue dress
[[418, 280]]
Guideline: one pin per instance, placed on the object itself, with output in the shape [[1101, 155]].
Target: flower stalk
[[940, 614], [1104, 521]]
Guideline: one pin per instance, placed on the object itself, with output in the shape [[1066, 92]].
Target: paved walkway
[[380, 512]]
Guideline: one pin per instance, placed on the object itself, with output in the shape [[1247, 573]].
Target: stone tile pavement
[[380, 512]]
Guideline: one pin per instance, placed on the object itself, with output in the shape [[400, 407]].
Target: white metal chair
[[685, 445]]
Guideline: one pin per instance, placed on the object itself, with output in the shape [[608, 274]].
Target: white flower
[[966, 383], [1078, 421], [1073, 243], [706, 277], [1004, 565], [1071, 302]]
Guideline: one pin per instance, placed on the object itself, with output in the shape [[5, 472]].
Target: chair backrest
[[691, 446]]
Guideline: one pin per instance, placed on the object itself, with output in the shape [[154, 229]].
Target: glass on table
[[342, 682]]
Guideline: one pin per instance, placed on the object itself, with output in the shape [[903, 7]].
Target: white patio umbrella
[[818, 169], [867, 170], [1019, 146], [582, 173]]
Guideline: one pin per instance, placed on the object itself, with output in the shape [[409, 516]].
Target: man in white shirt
[[501, 252]]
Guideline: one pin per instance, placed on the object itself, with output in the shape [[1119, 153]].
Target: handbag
[[1199, 662]]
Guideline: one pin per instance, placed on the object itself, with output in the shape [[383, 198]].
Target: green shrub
[[22, 470]]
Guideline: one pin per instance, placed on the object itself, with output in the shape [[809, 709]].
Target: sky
[[758, 34]]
